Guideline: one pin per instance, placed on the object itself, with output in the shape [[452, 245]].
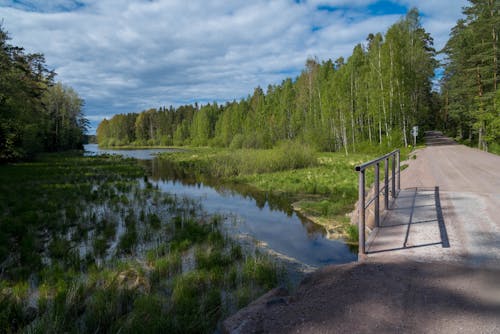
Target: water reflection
[[269, 218], [141, 154]]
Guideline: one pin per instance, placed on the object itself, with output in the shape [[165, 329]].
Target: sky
[[131, 55]]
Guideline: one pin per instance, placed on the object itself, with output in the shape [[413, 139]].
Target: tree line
[[469, 87], [36, 114], [373, 97]]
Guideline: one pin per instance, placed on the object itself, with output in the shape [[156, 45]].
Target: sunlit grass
[[321, 186]]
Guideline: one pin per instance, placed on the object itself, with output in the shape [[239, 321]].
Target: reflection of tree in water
[[164, 170]]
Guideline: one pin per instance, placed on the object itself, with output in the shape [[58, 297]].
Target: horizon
[[172, 53]]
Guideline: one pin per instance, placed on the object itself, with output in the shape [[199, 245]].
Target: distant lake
[[141, 154]]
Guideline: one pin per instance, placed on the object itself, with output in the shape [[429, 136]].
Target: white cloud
[[439, 16], [129, 55], [97, 117], [342, 3]]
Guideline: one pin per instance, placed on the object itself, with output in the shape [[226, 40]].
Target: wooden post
[[361, 213]]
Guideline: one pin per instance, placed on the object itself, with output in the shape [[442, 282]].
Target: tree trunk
[[382, 93], [352, 114]]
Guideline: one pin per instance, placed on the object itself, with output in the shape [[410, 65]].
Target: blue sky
[[129, 55]]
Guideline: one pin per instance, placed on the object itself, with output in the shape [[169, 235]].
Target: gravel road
[[469, 184], [458, 293]]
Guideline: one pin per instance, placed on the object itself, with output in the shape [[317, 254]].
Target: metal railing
[[363, 204]]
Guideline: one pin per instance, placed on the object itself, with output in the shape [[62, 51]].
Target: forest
[[36, 114], [469, 88], [372, 98]]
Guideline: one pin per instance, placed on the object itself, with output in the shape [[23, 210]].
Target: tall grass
[[321, 185], [229, 163], [286, 156], [53, 209]]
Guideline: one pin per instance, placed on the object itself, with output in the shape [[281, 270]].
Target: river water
[[266, 218]]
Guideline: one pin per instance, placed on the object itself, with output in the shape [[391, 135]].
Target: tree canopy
[[470, 83], [35, 113]]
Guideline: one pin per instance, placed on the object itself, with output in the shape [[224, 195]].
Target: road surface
[[453, 193], [437, 269]]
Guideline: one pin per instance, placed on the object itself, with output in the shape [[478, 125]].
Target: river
[[268, 219]]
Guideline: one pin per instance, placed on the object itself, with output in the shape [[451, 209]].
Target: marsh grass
[[230, 163], [320, 186], [60, 219]]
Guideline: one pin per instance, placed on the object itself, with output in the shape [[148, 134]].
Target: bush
[[237, 142], [288, 155]]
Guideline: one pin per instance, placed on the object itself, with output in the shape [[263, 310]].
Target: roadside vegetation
[[88, 244]]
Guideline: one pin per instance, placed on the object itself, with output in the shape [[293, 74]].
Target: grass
[[61, 215], [229, 163], [494, 148], [320, 186]]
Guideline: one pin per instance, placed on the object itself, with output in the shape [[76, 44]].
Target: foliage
[[35, 114], [90, 245], [469, 87], [229, 163], [374, 97], [323, 187]]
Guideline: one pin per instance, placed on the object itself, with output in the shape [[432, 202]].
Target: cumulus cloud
[[342, 3], [129, 55], [438, 16]]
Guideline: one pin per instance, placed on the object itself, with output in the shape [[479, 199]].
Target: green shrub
[[260, 270], [128, 241]]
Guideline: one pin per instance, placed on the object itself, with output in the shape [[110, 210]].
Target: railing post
[[361, 213], [377, 193], [393, 183], [362, 191], [399, 171], [386, 184]]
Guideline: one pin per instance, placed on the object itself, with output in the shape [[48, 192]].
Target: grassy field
[[321, 186], [88, 244]]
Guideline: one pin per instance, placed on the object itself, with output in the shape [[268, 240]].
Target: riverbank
[[320, 186], [436, 272], [90, 244], [142, 147]]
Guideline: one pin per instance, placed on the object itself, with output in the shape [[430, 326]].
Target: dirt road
[[381, 297], [469, 185], [454, 288]]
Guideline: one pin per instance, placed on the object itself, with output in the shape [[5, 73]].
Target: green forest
[[372, 98], [469, 88], [36, 114]]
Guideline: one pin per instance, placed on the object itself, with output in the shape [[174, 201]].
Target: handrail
[[396, 157], [374, 161]]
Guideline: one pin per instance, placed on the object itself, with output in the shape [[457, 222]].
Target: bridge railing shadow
[[414, 220]]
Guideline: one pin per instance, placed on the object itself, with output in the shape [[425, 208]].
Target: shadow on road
[[415, 220], [436, 138], [381, 297]]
